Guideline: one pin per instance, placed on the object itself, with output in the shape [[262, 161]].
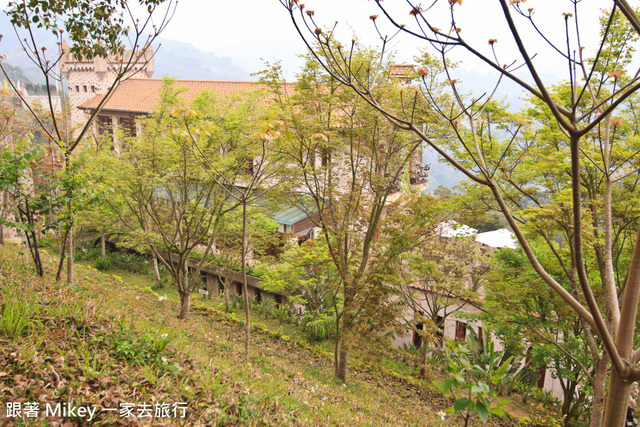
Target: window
[[461, 330], [84, 88], [77, 88], [105, 126], [93, 89], [128, 127], [417, 338]]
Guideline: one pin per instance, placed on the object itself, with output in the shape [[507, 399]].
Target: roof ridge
[[155, 79]]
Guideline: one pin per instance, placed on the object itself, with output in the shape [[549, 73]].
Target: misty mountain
[[185, 61], [10, 47], [440, 173], [173, 58]]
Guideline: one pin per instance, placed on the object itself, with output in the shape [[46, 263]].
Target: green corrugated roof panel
[[290, 216]]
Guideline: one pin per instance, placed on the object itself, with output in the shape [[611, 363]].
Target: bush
[[102, 263]]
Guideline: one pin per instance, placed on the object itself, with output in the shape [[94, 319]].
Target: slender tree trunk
[[337, 341], [185, 304], [70, 254], [31, 238], [423, 360], [569, 402], [156, 270], [63, 251], [103, 248], [3, 199], [343, 346], [227, 300], [341, 358], [619, 384], [247, 311], [343, 343]]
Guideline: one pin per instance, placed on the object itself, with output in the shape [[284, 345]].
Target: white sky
[[249, 30], [252, 29]]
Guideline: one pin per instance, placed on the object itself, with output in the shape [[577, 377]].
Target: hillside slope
[[100, 344]]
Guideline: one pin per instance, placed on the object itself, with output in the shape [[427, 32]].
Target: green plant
[[471, 396], [86, 251], [411, 349], [102, 263], [484, 354], [546, 397], [525, 384], [144, 350], [15, 316], [541, 417], [236, 301]]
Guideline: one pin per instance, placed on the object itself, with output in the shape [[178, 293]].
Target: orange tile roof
[[401, 70], [141, 95]]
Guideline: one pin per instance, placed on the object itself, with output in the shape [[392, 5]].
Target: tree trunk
[[3, 199], [343, 343], [599, 390], [341, 358], [103, 248], [617, 401], [70, 254], [227, 300], [156, 270], [423, 360], [63, 251], [185, 304], [247, 311]]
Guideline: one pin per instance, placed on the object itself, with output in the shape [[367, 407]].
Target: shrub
[[102, 263]]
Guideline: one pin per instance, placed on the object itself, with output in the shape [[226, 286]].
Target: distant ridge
[[185, 61]]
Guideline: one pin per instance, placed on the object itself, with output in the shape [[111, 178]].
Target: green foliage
[[484, 354], [144, 350], [102, 263], [471, 395], [96, 28], [309, 277], [15, 315], [541, 417]]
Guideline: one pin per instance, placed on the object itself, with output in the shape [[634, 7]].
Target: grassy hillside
[[105, 342]]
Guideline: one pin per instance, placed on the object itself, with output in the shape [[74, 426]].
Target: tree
[[256, 169], [260, 234], [100, 28], [167, 202], [598, 88], [350, 164], [441, 278], [13, 130], [308, 275], [527, 313]]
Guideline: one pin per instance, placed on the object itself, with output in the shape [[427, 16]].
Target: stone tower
[[87, 78]]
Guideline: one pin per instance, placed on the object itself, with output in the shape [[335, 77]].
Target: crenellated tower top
[[87, 78]]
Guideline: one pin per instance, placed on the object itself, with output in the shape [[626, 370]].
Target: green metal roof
[[290, 216]]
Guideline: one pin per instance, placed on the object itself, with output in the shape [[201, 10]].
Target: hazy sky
[[252, 29], [249, 30]]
